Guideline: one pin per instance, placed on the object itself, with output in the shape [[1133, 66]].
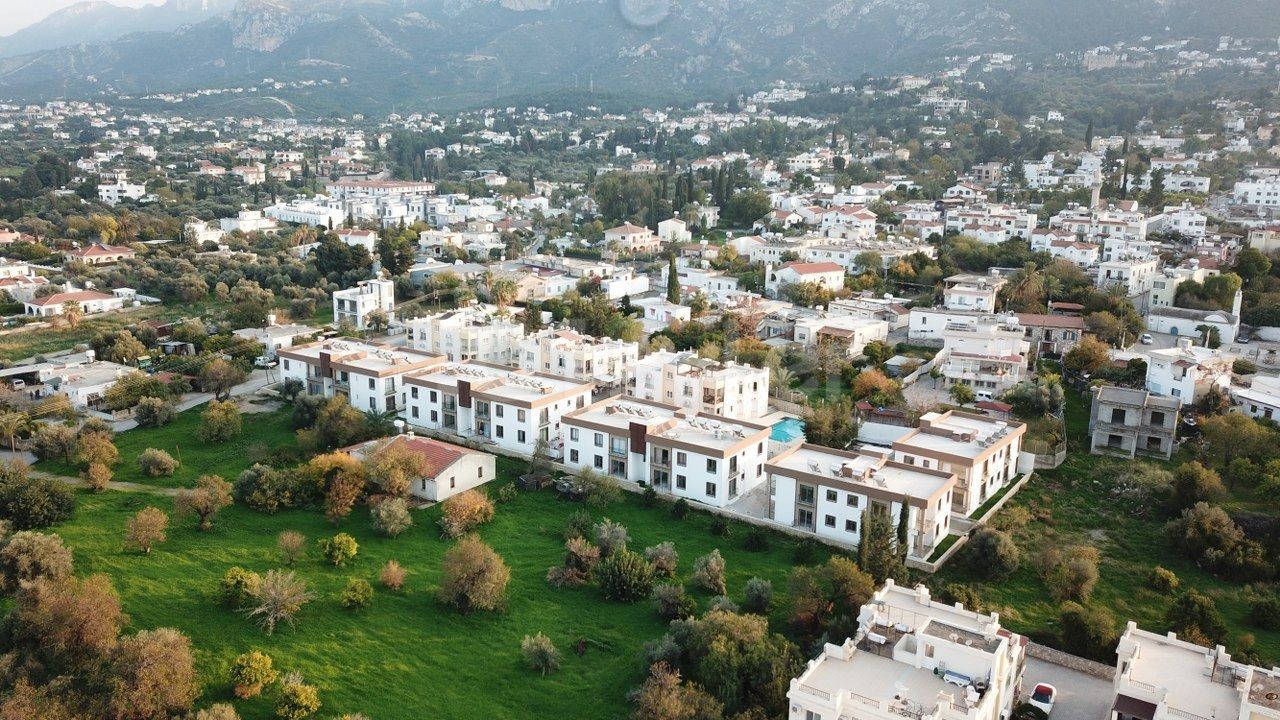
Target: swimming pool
[[787, 430]]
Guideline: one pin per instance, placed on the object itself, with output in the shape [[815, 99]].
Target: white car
[[1043, 696], [1146, 339]]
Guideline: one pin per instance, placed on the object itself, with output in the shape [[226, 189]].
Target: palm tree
[[781, 378], [10, 424], [1026, 287], [503, 293], [1052, 287]]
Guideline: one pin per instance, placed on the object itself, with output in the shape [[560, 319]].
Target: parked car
[[1043, 697], [1146, 339]]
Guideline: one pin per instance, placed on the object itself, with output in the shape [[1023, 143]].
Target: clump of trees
[[475, 577]]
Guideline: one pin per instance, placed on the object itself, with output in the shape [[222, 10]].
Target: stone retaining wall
[[1071, 662]]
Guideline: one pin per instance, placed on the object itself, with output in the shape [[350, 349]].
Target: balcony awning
[[1134, 707]]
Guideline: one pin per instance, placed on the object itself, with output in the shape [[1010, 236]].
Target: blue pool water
[[787, 430]]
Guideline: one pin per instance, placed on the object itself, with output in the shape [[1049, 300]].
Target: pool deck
[[776, 417]]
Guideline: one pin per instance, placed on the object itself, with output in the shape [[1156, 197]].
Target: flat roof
[[1180, 668], [511, 384], [361, 356], [949, 429], [666, 421], [860, 468]]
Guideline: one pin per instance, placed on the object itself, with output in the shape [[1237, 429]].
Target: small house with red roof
[[450, 469], [827, 275], [101, 254], [91, 302]]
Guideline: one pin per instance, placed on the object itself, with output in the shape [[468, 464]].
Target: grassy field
[[1076, 505], [229, 459], [408, 655]]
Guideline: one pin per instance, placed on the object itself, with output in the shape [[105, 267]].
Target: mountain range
[[441, 54], [98, 21]]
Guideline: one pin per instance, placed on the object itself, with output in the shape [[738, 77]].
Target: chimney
[[271, 320]]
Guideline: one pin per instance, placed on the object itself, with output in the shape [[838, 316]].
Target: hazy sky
[[17, 14]]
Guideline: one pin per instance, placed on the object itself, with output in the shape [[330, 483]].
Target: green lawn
[[408, 656], [1075, 505], [272, 430]]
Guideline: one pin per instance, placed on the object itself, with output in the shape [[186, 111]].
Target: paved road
[[1080, 696]]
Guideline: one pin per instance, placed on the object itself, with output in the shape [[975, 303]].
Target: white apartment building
[[1137, 277], [1121, 219], [370, 375], [1262, 192], [1183, 220], [565, 353], [847, 332], [1261, 399], [989, 354], [972, 292], [628, 238], [892, 310], [470, 333], [1187, 371], [701, 458], [275, 338], [113, 193], [356, 304], [913, 657], [366, 239], [827, 492], [247, 221], [827, 275], [981, 451], [1160, 677], [509, 408], [306, 212], [731, 390]]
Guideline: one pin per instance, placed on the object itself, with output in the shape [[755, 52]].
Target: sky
[[17, 14]]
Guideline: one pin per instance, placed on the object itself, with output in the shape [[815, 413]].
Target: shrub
[[992, 553], [578, 525], [297, 701], [1243, 367], [338, 549], [708, 572], [671, 602], [649, 497], [281, 595], [146, 528], [239, 587], [1163, 580], [540, 653], [392, 575], [1071, 574], [758, 596], [97, 477], [31, 503], [28, 556], [1088, 631], [217, 711], [679, 509], [54, 442], [292, 544], [664, 559], [391, 517], [219, 422], [508, 492], [600, 491], [475, 577], [611, 537], [625, 577], [720, 527], [156, 463], [357, 594], [806, 552], [757, 540], [251, 672], [1264, 611], [580, 561], [266, 489], [1194, 483], [153, 412], [210, 495], [966, 595], [1195, 618], [463, 512]]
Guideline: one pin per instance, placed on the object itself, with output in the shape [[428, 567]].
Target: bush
[[1243, 367], [540, 653], [156, 463], [1071, 574], [153, 412], [757, 540], [758, 596], [239, 587], [464, 512], [1194, 483], [580, 561], [966, 595], [1195, 618], [338, 549], [664, 559], [357, 594], [508, 492], [475, 577], [297, 701], [31, 503], [992, 553], [625, 577], [28, 556], [266, 489], [611, 537], [391, 517], [280, 597], [578, 525], [97, 477], [1264, 610], [292, 544], [219, 423], [672, 602], [679, 509], [392, 575], [251, 672], [600, 491], [210, 495], [708, 572], [146, 528], [722, 603], [649, 497], [806, 552], [217, 711], [1163, 580], [1088, 631], [720, 527]]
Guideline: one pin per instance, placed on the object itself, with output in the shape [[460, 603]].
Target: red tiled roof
[[813, 268], [100, 249], [78, 295]]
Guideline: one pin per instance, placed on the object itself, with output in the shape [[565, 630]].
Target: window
[[829, 521], [1157, 418], [500, 431], [497, 410], [521, 415], [711, 465], [680, 482], [711, 489], [599, 462], [1117, 416], [573, 434], [832, 495], [286, 364], [851, 526], [453, 483], [413, 393], [433, 396], [573, 456], [414, 411], [599, 440], [435, 416], [806, 494], [851, 500], [520, 436], [811, 715], [681, 459]]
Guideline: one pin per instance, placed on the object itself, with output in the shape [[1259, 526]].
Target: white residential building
[[355, 304], [685, 454], [451, 469], [275, 338], [1261, 399], [988, 354], [981, 451], [1187, 371], [972, 292], [366, 239], [731, 390], [472, 333], [1137, 277], [247, 221], [565, 353], [628, 238], [1263, 192], [1121, 219], [913, 657], [370, 375], [113, 193], [512, 409], [674, 230], [1183, 219], [827, 492], [91, 302], [848, 332], [306, 212], [826, 275]]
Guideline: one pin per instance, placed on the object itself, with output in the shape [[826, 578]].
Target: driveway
[[1080, 696]]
